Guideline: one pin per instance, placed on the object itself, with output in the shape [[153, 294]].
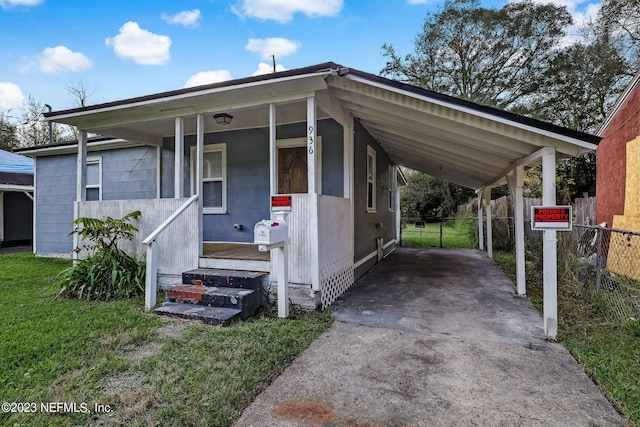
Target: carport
[[471, 145]]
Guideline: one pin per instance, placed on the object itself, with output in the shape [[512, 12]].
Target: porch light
[[223, 118]]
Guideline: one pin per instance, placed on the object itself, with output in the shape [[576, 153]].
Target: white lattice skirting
[[335, 278]]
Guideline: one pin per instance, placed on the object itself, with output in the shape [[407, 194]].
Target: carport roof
[[461, 141]]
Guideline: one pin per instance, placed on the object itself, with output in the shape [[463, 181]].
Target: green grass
[[458, 234], [70, 351], [608, 350]]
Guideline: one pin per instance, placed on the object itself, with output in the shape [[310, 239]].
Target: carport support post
[[487, 208], [480, 221], [521, 279], [550, 256]]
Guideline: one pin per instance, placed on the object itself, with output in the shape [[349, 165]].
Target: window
[[392, 170], [214, 176], [371, 179], [94, 178]]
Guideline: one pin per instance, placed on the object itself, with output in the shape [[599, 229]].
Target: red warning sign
[[281, 203], [551, 217]]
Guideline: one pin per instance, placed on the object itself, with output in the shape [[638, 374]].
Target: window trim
[[371, 180], [95, 160], [208, 149]]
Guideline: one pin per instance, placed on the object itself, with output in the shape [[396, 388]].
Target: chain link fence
[[607, 261], [455, 232]]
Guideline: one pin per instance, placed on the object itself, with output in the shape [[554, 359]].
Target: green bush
[[107, 272]]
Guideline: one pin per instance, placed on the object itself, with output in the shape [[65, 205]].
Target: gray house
[[203, 165]]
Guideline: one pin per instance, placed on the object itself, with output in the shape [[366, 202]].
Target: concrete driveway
[[433, 337]]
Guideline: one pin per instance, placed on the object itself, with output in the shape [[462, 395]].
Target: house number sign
[[312, 141]]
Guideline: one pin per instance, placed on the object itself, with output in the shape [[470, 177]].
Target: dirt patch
[[124, 383], [145, 350], [314, 412], [174, 328]]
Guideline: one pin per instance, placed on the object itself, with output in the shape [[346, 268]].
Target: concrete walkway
[[433, 337]]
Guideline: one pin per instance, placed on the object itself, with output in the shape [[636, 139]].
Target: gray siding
[[248, 174], [366, 231], [55, 194], [128, 173]]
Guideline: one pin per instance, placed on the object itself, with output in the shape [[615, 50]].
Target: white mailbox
[[268, 232]]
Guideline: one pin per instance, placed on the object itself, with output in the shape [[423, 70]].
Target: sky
[[118, 49]]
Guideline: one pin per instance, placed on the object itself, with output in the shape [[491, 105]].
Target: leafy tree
[[493, 57], [581, 84], [8, 138], [34, 130], [620, 19], [427, 198]]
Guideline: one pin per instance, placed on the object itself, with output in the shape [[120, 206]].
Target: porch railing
[[183, 233], [176, 247]]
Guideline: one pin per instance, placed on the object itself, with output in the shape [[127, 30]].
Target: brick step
[[208, 315], [245, 300]]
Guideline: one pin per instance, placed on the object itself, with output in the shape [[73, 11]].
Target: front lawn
[[111, 363]]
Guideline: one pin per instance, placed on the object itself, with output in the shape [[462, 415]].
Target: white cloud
[[283, 10], [272, 46], [581, 11], [264, 68], [60, 58], [10, 96], [188, 18], [206, 77], [10, 3], [141, 46]]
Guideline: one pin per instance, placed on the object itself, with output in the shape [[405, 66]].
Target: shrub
[[107, 272]]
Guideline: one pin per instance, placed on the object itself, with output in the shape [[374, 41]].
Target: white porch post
[[480, 220], [487, 208], [312, 181], [179, 159], [312, 149], [81, 184], [518, 214], [550, 265], [199, 176], [273, 151]]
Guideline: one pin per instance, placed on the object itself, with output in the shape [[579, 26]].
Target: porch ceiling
[[460, 141]]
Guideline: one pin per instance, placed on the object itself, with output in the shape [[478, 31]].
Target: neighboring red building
[[621, 126]]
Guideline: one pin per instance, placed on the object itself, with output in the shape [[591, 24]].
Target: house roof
[[15, 163], [461, 141]]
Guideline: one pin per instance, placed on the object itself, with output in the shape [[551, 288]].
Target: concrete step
[[211, 277], [245, 300], [208, 315]]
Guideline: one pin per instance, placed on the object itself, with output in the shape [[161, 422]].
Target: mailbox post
[[274, 236]]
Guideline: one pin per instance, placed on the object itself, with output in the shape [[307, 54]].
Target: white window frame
[[96, 160], [371, 179], [208, 149], [392, 170]]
